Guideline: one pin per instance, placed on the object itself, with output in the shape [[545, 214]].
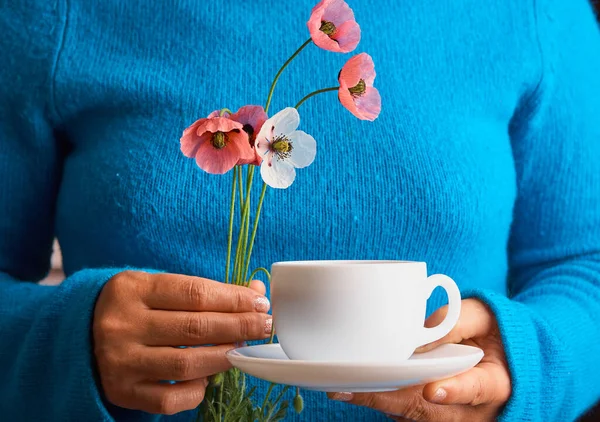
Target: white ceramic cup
[[356, 311]]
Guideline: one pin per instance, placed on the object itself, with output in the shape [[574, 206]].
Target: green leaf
[[281, 412], [230, 402]]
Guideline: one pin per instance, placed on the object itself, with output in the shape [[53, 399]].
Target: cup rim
[[345, 263]]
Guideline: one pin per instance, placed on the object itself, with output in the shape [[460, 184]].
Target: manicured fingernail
[[342, 396], [439, 396], [262, 304], [268, 325]]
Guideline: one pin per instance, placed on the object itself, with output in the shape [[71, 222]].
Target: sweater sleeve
[[549, 322], [46, 360]]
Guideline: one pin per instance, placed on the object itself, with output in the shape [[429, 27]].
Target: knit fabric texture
[[484, 163]]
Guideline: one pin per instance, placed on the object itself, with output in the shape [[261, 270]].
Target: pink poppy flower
[[356, 91], [217, 144], [332, 26], [252, 117]]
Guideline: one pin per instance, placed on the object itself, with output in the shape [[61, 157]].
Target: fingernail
[[268, 325], [342, 396], [262, 304], [439, 396]]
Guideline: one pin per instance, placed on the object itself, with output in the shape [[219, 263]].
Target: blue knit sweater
[[484, 163]]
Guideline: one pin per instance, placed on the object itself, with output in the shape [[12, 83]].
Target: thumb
[[476, 320]]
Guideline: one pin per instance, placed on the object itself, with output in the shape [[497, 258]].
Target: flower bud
[[298, 403], [217, 379]]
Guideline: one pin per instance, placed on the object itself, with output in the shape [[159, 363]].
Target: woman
[[484, 163]]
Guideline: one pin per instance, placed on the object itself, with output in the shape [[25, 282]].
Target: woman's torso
[[432, 179]]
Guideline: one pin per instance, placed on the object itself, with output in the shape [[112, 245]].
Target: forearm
[[46, 348], [551, 341]]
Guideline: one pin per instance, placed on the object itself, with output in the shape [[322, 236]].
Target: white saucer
[[269, 362]]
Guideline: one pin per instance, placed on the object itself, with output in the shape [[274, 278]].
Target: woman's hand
[[140, 320], [476, 395]]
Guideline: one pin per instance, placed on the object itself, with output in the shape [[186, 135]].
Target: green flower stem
[[223, 111], [312, 94], [221, 389], [266, 400], [260, 269], [241, 275], [292, 57], [245, 227], [243, 386], [256, 220], [236, 259], [240, 178], [230, 235], [243, 233], [272, 338], [239, 252], [250, 179], [240, 258]]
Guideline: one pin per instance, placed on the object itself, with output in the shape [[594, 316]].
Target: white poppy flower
[[283, 148]]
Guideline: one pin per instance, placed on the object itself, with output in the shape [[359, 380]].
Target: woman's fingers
[[475, 320], [164, 398], [407, 403], [477, 394], [180, 364], [175, 292], [258, 286], [172, 328], [486, 383], [136, 308]]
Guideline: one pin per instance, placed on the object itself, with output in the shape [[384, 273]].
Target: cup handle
[[454, 301]]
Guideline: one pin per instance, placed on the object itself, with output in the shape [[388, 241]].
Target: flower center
[[327, 27], [359, 89], [219, 140], [282, 146]]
